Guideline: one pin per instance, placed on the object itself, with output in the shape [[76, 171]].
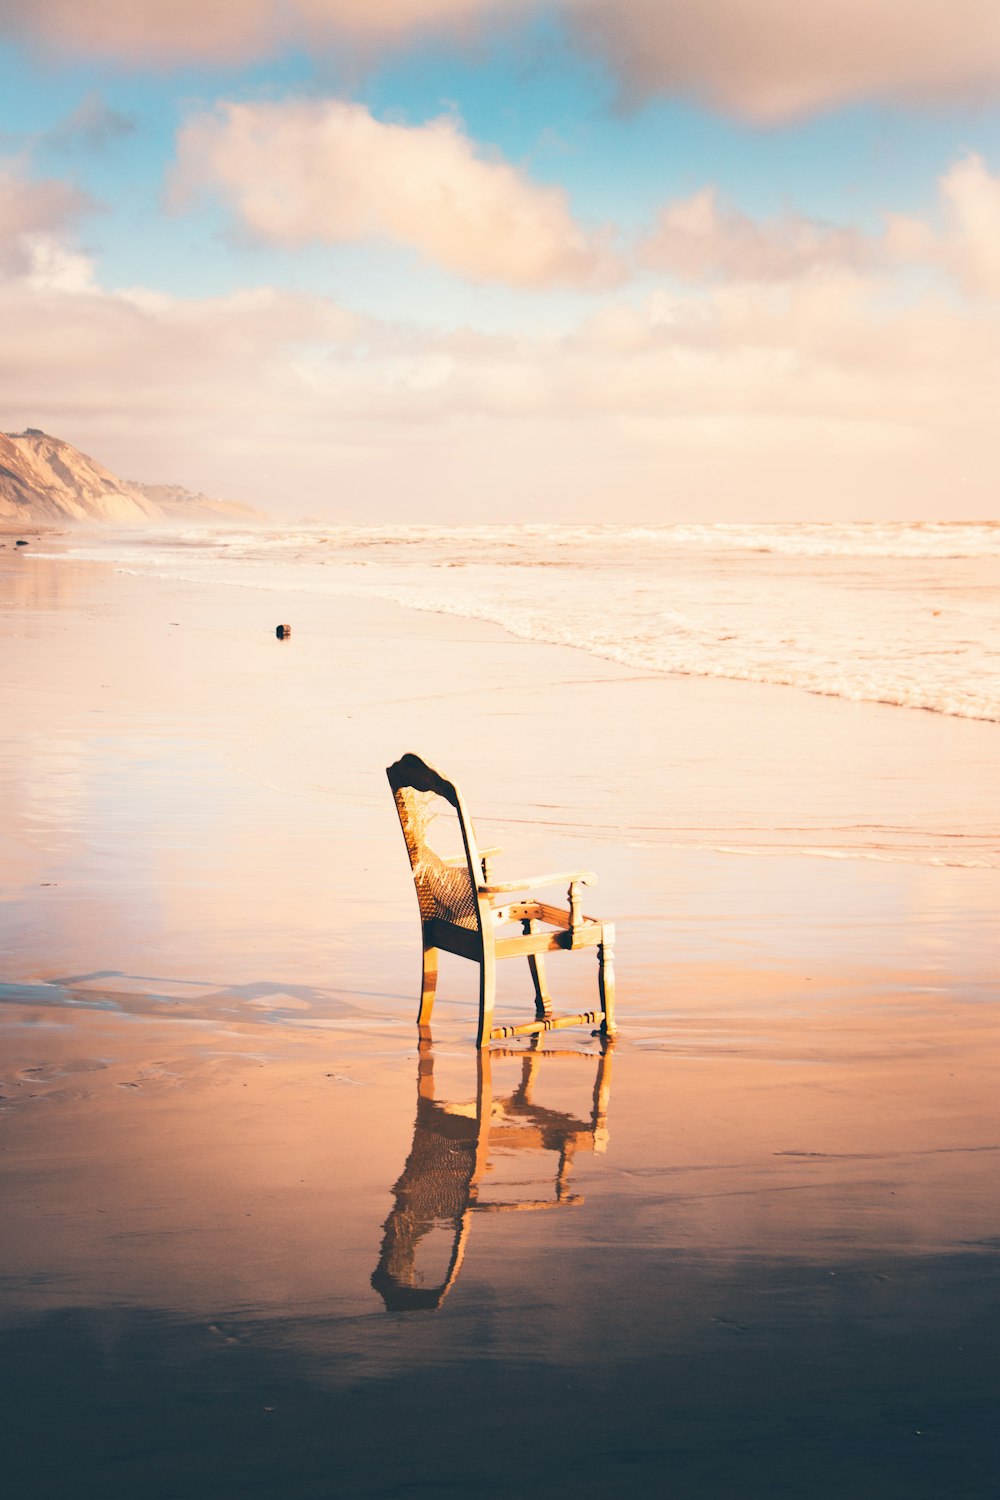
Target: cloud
[[774, 60], [209, 30], [91, 126], [30, 208], [392, 19], [821, 397], [327, 171], [230, 31], [697, 239], [968, 245], [53, 265], [767, 61], [701, 240]]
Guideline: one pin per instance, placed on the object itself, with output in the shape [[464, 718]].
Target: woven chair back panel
[[444, 891]]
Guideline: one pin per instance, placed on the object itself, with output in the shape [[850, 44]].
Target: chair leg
[[543, 1000], [428, 986], [487, 994], [606, 982]]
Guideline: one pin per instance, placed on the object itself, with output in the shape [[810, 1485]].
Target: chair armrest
[[455, 861], [459, 859], [567, 877]]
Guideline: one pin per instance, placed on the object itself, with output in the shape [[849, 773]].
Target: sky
[[510, 260]]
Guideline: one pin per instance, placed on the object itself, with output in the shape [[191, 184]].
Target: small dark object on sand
[[283, 631], [20, 544]]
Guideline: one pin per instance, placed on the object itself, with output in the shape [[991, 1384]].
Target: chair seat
[[462, 908]]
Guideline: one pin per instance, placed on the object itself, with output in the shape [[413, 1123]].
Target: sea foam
[[900, 614]]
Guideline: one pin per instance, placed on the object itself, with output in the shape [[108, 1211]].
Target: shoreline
[[971, 741], [934, 629]]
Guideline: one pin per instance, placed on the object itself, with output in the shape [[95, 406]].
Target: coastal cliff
[[179, 504], [44, 480]]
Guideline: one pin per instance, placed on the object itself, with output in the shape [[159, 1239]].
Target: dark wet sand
[[752, 1251]]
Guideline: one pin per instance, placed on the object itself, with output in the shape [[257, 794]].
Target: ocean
[[893, 613]]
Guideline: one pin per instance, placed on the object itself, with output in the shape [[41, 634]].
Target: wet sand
[[258, 1241]]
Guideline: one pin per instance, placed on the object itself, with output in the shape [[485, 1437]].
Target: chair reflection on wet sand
[[461, 908], [439, 1188]]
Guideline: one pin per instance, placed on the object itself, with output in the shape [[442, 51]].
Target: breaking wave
[[892, 613]]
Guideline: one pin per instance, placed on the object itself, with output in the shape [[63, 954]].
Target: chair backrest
[[446, 891]]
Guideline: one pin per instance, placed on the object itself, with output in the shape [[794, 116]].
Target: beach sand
[[752, 1250]]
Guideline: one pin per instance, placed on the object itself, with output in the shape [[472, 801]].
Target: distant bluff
[[45, 480]]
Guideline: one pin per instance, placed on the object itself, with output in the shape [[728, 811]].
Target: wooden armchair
[[462, 908]]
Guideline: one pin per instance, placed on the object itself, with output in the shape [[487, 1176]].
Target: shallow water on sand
[[260, 1238]]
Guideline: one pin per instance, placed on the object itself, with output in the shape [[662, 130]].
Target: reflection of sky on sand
[[208, 974], [252, 1166], [455, 1146], [257, 1160], [775, 1250]]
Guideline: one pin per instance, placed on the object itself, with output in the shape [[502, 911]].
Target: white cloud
[[231, 30], [701, 240], [697, 239], [765, 60], [773, 60], [391, 19], [136, 32], [819, 397], [968, 244], [328, 171], [31, 207], [973, 199], [52, 264]]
